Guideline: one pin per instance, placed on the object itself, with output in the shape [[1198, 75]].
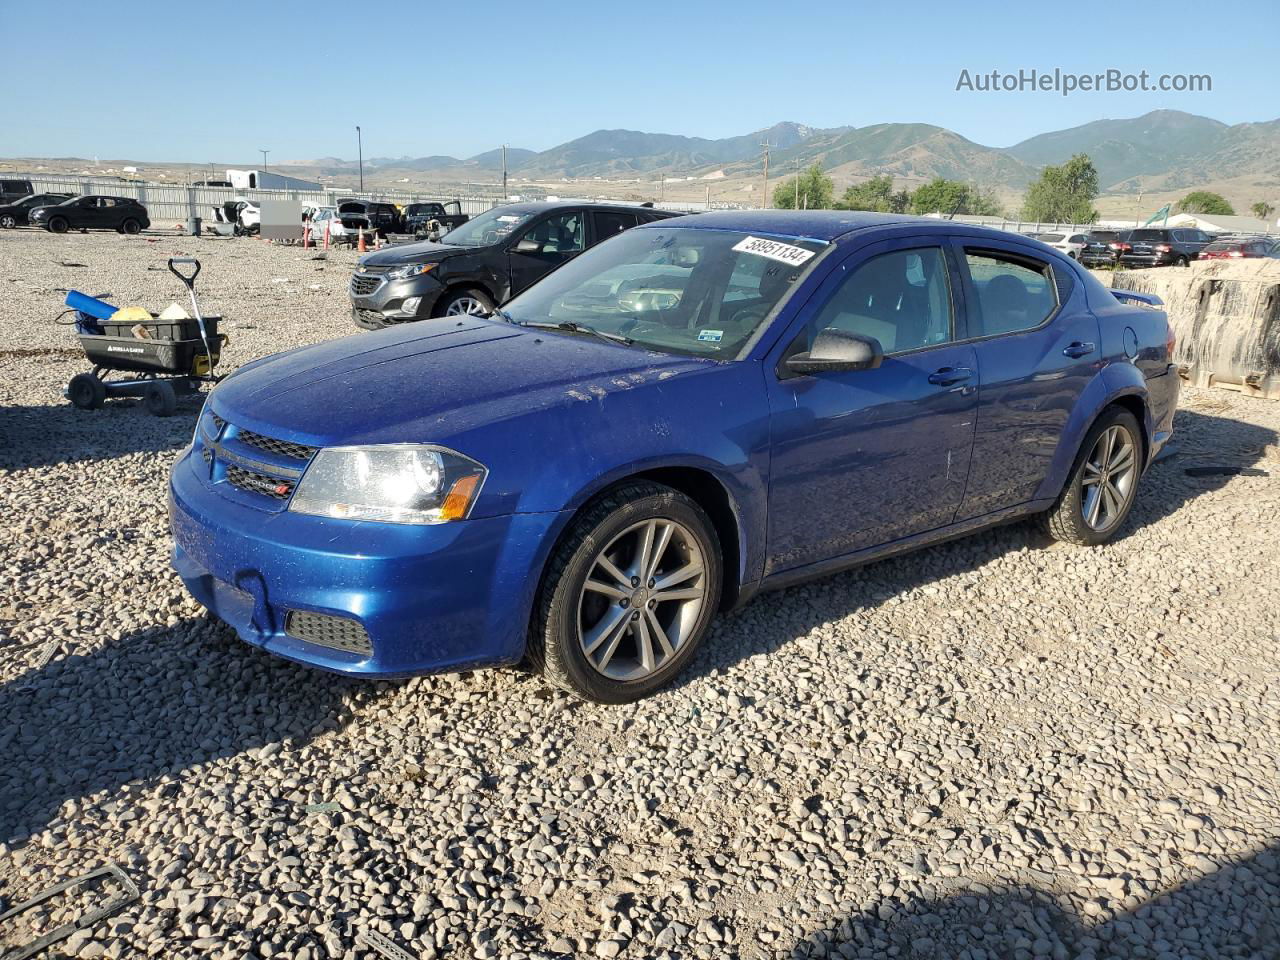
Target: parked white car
[[322, 217], [1069, 243]]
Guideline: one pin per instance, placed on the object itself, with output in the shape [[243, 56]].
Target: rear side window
[[609, 224], [1012, 293], [901, 298]]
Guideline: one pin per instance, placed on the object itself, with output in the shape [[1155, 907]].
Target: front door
[[559, 237], [866, 457]]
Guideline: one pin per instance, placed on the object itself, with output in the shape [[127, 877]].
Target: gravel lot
[[994, 748]]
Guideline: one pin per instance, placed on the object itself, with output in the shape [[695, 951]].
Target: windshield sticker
[[783, 252], [508, 218], [711, 336]]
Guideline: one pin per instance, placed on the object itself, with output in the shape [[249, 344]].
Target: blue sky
[[216, 82]]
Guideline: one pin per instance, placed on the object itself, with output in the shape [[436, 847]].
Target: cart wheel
[[86, 391], [160, 399]]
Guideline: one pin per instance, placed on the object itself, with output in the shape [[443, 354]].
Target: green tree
[[1063, 194], [876, 195], [812, 188], [952, 196], [1262, 209], [1205, 201]]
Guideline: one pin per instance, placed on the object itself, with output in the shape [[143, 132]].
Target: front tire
[[628, 594], [58, 225], [466, 303], [160, 398], [86, 391], [1103, 482], [8, 221]]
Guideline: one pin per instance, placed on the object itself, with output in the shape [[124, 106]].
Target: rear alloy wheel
[[469, 303], [58, 225], [8, 222], [1103, 483], [629, 594], [131, 227]]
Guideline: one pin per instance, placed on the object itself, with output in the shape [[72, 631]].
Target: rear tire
[[58, 225], [160, 398], [1103, 484], [643, 638], [131, 227], [86, 391], [1182, 262], [8, 221]]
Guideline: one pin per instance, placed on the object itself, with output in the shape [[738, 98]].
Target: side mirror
[[835, 351], [527, 246]]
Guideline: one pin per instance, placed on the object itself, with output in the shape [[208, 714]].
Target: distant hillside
[[1164, 149]]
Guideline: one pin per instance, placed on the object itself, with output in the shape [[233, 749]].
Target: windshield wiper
[[572, 327]]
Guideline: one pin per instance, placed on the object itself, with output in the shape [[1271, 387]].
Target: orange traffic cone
[[361, 247]]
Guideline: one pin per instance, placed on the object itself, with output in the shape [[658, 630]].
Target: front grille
[[207, 455], [338, 633], [218, 423], [362, 285], [274, 487], [281, 448]]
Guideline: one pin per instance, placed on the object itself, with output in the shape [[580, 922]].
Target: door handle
[[948, 376], [1078, 349]]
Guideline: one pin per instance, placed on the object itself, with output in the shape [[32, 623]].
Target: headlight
[[407, 270], [396, 483]]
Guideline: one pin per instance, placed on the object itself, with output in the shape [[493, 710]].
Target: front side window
[[558, 234], [679, 290], [902, 299], [1012, 293]]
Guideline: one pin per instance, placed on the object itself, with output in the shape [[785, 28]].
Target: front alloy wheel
[[628, 594], [467, 303], [642, 599]]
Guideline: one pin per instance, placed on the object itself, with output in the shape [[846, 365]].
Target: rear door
[[559, 236], [862, 458], [1037, 348]]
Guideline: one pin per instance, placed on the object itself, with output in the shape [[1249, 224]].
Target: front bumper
[[430, 598], [383, 304]]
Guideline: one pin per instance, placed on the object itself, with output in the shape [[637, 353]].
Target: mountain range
[[1164, 149]]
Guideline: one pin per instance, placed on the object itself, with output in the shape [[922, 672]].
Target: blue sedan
[[689, 413]]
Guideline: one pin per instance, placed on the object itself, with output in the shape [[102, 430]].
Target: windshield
[[681, 290], [488, 228], [1051, 237]]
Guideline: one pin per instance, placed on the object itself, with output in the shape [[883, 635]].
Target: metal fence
[[169, 204]]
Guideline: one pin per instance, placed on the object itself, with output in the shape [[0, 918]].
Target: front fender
[[1113, 381]]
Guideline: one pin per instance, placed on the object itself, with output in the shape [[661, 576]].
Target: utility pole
[[264, 157], [504, 173], [765, 203], [360, 154]]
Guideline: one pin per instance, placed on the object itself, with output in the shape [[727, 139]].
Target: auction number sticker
[[783, 252]]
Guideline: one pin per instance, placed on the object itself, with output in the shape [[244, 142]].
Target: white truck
[[265, 180]]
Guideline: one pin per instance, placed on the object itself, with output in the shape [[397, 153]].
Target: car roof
[[822, 225], [542, 206]]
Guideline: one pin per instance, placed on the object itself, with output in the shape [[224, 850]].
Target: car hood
[[433, 380], [425, 251]]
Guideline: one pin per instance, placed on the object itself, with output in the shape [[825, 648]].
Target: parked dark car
[[1097, 250], [16, 214], [698, 410], [122, 214], [418, 217], [1246, 248], [1160, 246], [11, 190], [484, 262], [371, 216]]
